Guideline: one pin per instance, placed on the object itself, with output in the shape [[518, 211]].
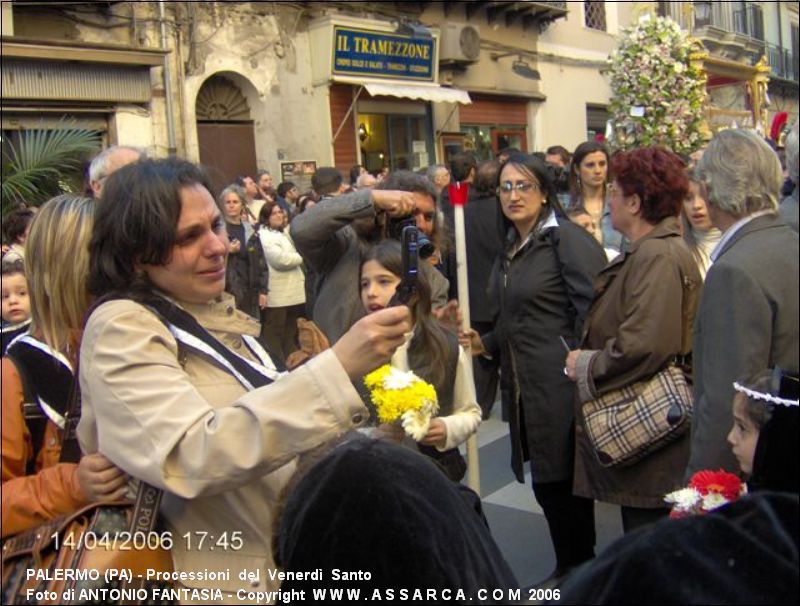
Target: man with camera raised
[[331, 236]]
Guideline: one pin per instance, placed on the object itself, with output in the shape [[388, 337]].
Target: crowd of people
[[219, 342]]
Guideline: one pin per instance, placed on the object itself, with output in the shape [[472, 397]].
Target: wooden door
[[227, 150]]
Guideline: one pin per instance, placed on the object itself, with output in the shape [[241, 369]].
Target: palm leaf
[[43, 160]]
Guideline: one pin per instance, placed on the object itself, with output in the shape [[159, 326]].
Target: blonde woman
[[39, 368]]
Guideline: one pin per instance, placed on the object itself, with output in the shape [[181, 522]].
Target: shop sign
[[382, 55]]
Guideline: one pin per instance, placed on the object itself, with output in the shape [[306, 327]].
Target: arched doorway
[[224, 131]]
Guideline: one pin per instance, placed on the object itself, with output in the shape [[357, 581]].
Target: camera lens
[[424, 246]]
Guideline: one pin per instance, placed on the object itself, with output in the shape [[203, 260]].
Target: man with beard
[[332, 235]]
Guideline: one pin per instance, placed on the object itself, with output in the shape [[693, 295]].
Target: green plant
[[658, 92], [43, 163]]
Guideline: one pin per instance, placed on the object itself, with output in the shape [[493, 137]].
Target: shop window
[[479, 141], [487, 141], [401, 142], [595, 15]]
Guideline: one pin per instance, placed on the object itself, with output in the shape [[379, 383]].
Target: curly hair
[[16, 223], [657, 176]]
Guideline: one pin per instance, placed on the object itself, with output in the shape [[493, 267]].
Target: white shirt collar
[[733, 229]]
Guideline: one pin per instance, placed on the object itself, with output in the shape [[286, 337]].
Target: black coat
[[247, 274], [545, 291]]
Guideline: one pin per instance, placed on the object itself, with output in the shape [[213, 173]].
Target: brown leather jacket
[[29, 500], [641, 318]]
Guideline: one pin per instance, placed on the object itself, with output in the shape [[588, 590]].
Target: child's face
[[378, 286], [16, 304], [743, 436]]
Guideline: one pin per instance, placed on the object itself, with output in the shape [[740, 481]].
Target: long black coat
[[545, 291]]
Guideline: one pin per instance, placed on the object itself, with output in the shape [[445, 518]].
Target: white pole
[[473, 465]]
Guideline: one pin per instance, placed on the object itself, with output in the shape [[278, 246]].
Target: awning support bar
[[347, 115]]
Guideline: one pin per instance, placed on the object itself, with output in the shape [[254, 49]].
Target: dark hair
[[657, 176], [137, 219], [429, 333], [284, 187], [775, 462], [583, 150], [686, 226], [12, 266], [406, 180], [266, 211], [507, 152], [16, 222], [559, 150], [461, 164], [304, 199], [326, 180], [758, 411], [355, 173], [538, 169], [260, 174], [486, 177]]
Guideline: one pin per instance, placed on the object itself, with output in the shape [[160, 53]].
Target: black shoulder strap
[[35, 419], [172, 315], [46, 382]]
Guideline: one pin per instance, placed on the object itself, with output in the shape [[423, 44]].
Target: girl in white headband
[[764, 436]]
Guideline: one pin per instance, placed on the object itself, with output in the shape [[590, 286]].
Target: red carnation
[[721, 482]]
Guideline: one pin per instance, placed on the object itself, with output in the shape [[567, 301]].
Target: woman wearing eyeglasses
[[544, 283]]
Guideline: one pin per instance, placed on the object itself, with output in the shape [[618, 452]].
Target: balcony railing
[[783, 62]]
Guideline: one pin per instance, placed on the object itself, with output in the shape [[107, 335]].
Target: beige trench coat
[[223, 456], [641, 318]]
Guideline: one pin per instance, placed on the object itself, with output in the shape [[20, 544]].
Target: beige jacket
[[186, 426]]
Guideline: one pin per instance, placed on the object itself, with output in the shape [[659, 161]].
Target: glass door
[[410, 144]]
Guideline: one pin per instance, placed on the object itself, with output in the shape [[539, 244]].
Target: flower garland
[[659, 92], [402, 396], [707, 491]]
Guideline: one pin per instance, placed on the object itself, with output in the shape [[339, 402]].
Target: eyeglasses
[[522, 187]]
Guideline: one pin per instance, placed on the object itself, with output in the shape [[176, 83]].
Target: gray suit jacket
[[325, 239], [789, 209], [747, 322]]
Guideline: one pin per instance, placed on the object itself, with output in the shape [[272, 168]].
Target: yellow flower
[[394, 392]]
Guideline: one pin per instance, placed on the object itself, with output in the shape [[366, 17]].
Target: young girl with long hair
[[699, 233], [432, 352]]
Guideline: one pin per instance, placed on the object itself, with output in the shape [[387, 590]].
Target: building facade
[[751, 60], [288, 86]]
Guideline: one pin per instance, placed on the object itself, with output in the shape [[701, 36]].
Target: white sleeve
[[280, 253], [466, 412]]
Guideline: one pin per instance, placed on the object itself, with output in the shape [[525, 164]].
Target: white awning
[[426, 92]]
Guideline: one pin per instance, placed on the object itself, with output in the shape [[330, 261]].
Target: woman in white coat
[[287, 282]]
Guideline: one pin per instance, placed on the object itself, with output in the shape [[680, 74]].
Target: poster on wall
[[299, 172]]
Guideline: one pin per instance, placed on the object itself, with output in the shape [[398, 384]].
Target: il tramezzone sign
[[381, 55]]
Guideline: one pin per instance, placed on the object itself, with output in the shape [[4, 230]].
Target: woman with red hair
[[640, 321]]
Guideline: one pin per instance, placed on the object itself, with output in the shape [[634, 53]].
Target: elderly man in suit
[[748, 312]]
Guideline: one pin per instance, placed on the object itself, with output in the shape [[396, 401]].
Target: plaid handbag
[[627, 424]]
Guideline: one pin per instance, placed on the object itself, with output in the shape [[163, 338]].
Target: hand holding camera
[[394, 203]]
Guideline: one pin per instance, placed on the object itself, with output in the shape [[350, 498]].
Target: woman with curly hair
[[640, 321]]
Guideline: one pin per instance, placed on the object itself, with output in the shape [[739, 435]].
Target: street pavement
[[515, 518]]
